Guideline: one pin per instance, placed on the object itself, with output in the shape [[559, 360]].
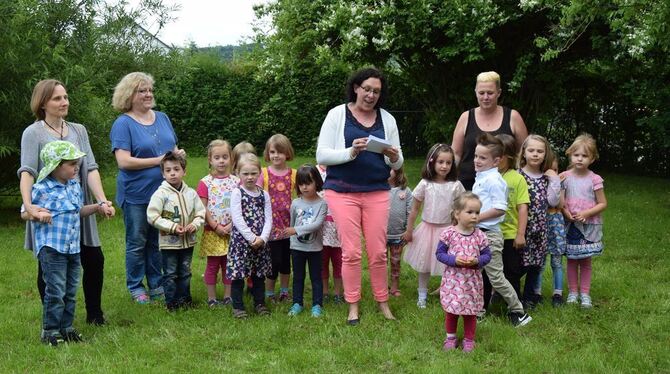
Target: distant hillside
[[228, 52]]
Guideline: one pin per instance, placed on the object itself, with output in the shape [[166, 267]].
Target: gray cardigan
[[34, 138]]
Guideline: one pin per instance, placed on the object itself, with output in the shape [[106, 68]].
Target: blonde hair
[[215, 144], [489, 76], [248, 158], [240, 149], [588, 142], [122, 100], [459, 204], [547, 148], [281, 144], [42, 93]]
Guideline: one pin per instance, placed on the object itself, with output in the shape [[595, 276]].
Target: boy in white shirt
[[492, 191]]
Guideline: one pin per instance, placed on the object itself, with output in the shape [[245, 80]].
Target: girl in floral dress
[[543, 188], [249, 255], [464, 249]]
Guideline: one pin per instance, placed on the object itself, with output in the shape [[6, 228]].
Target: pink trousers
[[579, 270], [365, 212]]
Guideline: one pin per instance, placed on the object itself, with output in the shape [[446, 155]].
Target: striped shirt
[[64, 202]]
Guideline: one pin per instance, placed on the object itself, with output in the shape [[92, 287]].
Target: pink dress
[[437, 200], [462, 289]]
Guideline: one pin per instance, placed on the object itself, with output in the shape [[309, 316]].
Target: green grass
[[627, 330]]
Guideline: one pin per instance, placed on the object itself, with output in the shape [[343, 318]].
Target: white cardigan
[[330, 148]]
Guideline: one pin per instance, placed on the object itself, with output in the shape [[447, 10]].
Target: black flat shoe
[[353, 322]]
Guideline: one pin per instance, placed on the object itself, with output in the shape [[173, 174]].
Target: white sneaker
[[572, 298], [586, 301], [421, 303]]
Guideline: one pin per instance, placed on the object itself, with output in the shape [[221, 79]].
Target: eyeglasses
[[370, 90], [145, 91]]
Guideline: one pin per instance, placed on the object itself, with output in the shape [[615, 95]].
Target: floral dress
[[536, 230], [279, 189], [217, 191], [462, 289], [244, 261]]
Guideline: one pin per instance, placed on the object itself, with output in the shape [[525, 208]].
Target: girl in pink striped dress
[[464, 250]]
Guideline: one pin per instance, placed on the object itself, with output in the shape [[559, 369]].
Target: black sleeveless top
[[466, 171]]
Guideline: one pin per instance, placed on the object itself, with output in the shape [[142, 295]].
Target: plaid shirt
[[64, 202]]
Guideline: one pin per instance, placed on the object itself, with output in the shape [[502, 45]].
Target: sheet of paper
[[376, 144]]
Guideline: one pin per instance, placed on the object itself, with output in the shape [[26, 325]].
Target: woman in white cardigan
[[356, 186]]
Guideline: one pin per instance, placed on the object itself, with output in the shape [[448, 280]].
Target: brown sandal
[[262, 310], [239, 313]]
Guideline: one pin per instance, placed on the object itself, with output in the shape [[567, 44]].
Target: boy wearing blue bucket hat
[[57, 237]]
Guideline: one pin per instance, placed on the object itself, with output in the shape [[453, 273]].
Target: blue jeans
[[61, 275], [313, 260], [177, 275], [142, 255], [557, 273]]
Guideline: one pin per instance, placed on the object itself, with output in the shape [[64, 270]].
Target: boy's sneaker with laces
[[519, 319], [450, 343], [572, 298], [421, 303], [468, 345], [481, 316], [295, 310], [316, 311], [72, 336], [557, 300], [53, 340], [586, 301]]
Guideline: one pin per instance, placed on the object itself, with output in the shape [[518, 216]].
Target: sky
[[208, 22]]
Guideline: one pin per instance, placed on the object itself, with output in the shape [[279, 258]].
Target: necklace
[[62, 127]]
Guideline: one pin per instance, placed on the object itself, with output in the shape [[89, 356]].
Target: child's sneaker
[[142, 299], [283, 296], [227, 301], [214, 303], [450, 343], [338, 299], [572, 298], [519, 319], [586, 301], [557, 300], [72, 336], [316, 311], [468, 345], [295, 310], [158, 298], [481, 316], [421, 303], [53, 340]]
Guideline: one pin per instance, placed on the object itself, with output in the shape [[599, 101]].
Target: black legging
[[93, 264]]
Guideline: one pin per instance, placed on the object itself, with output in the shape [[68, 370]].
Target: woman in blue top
[[140, 138], [357, 188]]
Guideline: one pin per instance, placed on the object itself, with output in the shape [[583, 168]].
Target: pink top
[[437, 200], [580, 193], [280, 190]]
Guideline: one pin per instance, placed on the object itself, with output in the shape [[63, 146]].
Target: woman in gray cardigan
[[49, 104]]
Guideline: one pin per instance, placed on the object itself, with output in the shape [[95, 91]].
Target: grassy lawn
[[628, 329]]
